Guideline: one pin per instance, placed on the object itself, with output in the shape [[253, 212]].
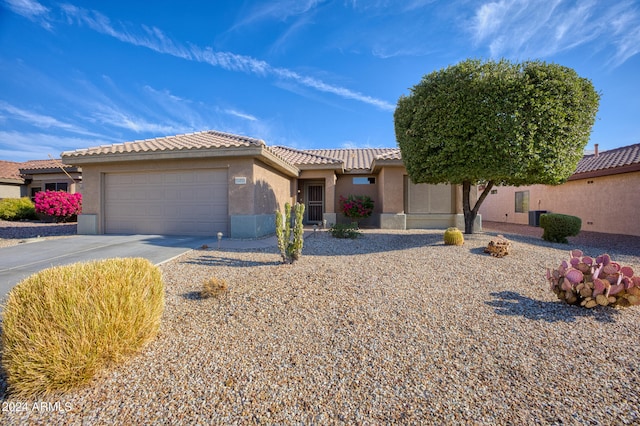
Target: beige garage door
[[193, 202]]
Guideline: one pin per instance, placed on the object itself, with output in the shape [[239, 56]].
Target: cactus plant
[[591, 282], [290, 248], [453, 236]]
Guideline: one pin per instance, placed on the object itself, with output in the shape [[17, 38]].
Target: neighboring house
[[208, 182], [11, 183], [25, 179], [50, 175], [604, 192]]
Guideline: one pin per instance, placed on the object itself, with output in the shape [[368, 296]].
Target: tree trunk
[[469, 213]]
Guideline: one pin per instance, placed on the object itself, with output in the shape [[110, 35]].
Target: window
[[522, 201], [364, 181], [34, 191], [56, 186]]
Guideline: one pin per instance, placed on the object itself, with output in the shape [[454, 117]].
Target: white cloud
[[35, 146], [239, 114], [155, 40], [31, 10], [40, 120], [280, 10], [125, 120], [542, 28]]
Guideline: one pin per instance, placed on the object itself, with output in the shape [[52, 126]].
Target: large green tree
[[498, 123]]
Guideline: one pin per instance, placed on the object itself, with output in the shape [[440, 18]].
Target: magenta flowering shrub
[[356, 206], [58, 204]]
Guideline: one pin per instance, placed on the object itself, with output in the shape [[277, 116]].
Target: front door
[[315, 203]]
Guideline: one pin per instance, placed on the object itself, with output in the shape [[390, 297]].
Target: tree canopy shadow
[[213, 260], [511, 303]]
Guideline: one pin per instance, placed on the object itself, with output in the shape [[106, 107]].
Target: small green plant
[[64, 325], [344, 231], [290, 246], [557, 227], [17, 209], [213, 287], [453, 236]]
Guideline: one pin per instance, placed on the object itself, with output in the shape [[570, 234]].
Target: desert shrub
[[213, 287], [453, 236], [17, 209], [60, 205], [64, 325], [557, 227], [344, 231]]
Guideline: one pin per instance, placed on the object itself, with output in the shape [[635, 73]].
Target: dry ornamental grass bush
[[64, 325], [213, 287]]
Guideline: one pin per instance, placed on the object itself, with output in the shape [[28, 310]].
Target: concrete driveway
[[20, 261]]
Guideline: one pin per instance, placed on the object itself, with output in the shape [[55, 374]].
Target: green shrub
[[344, 231], [557, 227], [64, 325], [17, 209]]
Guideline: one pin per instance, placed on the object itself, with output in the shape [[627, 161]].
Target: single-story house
[[50, 175], [604, 192], [11, 183], [25, 179], [209, 182]]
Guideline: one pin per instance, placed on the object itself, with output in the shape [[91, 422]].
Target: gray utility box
[[534, 217]]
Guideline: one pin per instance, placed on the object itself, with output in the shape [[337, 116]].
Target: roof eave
[[606, 172], [68, 169], [335, 167], [377, 164], [10, 181], [81, 159], [273, 160]]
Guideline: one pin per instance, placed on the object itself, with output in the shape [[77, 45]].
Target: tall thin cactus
[[290, 249]]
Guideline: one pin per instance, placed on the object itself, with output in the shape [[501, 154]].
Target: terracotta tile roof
[[191, 141], [355, 159], [298, 157], [614, 158], [32, 165], [393, 154], [10, 170]]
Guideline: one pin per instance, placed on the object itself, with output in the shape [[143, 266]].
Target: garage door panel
[[190, 202]]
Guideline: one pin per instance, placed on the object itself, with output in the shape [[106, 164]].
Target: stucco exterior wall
[[11, 191], [40, 180], [346, 187], [390, 193], [272, 189], [607, 204]]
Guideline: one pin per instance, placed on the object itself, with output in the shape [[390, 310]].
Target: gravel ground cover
[[394, 327], [13, 233]]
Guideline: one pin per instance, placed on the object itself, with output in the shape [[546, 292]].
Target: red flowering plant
[[356, 206], [60, 205]]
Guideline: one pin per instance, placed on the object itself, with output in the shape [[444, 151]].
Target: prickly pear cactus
[[589, 282], [453, 236]]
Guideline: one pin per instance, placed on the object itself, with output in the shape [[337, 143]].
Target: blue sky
[[301, 73]]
